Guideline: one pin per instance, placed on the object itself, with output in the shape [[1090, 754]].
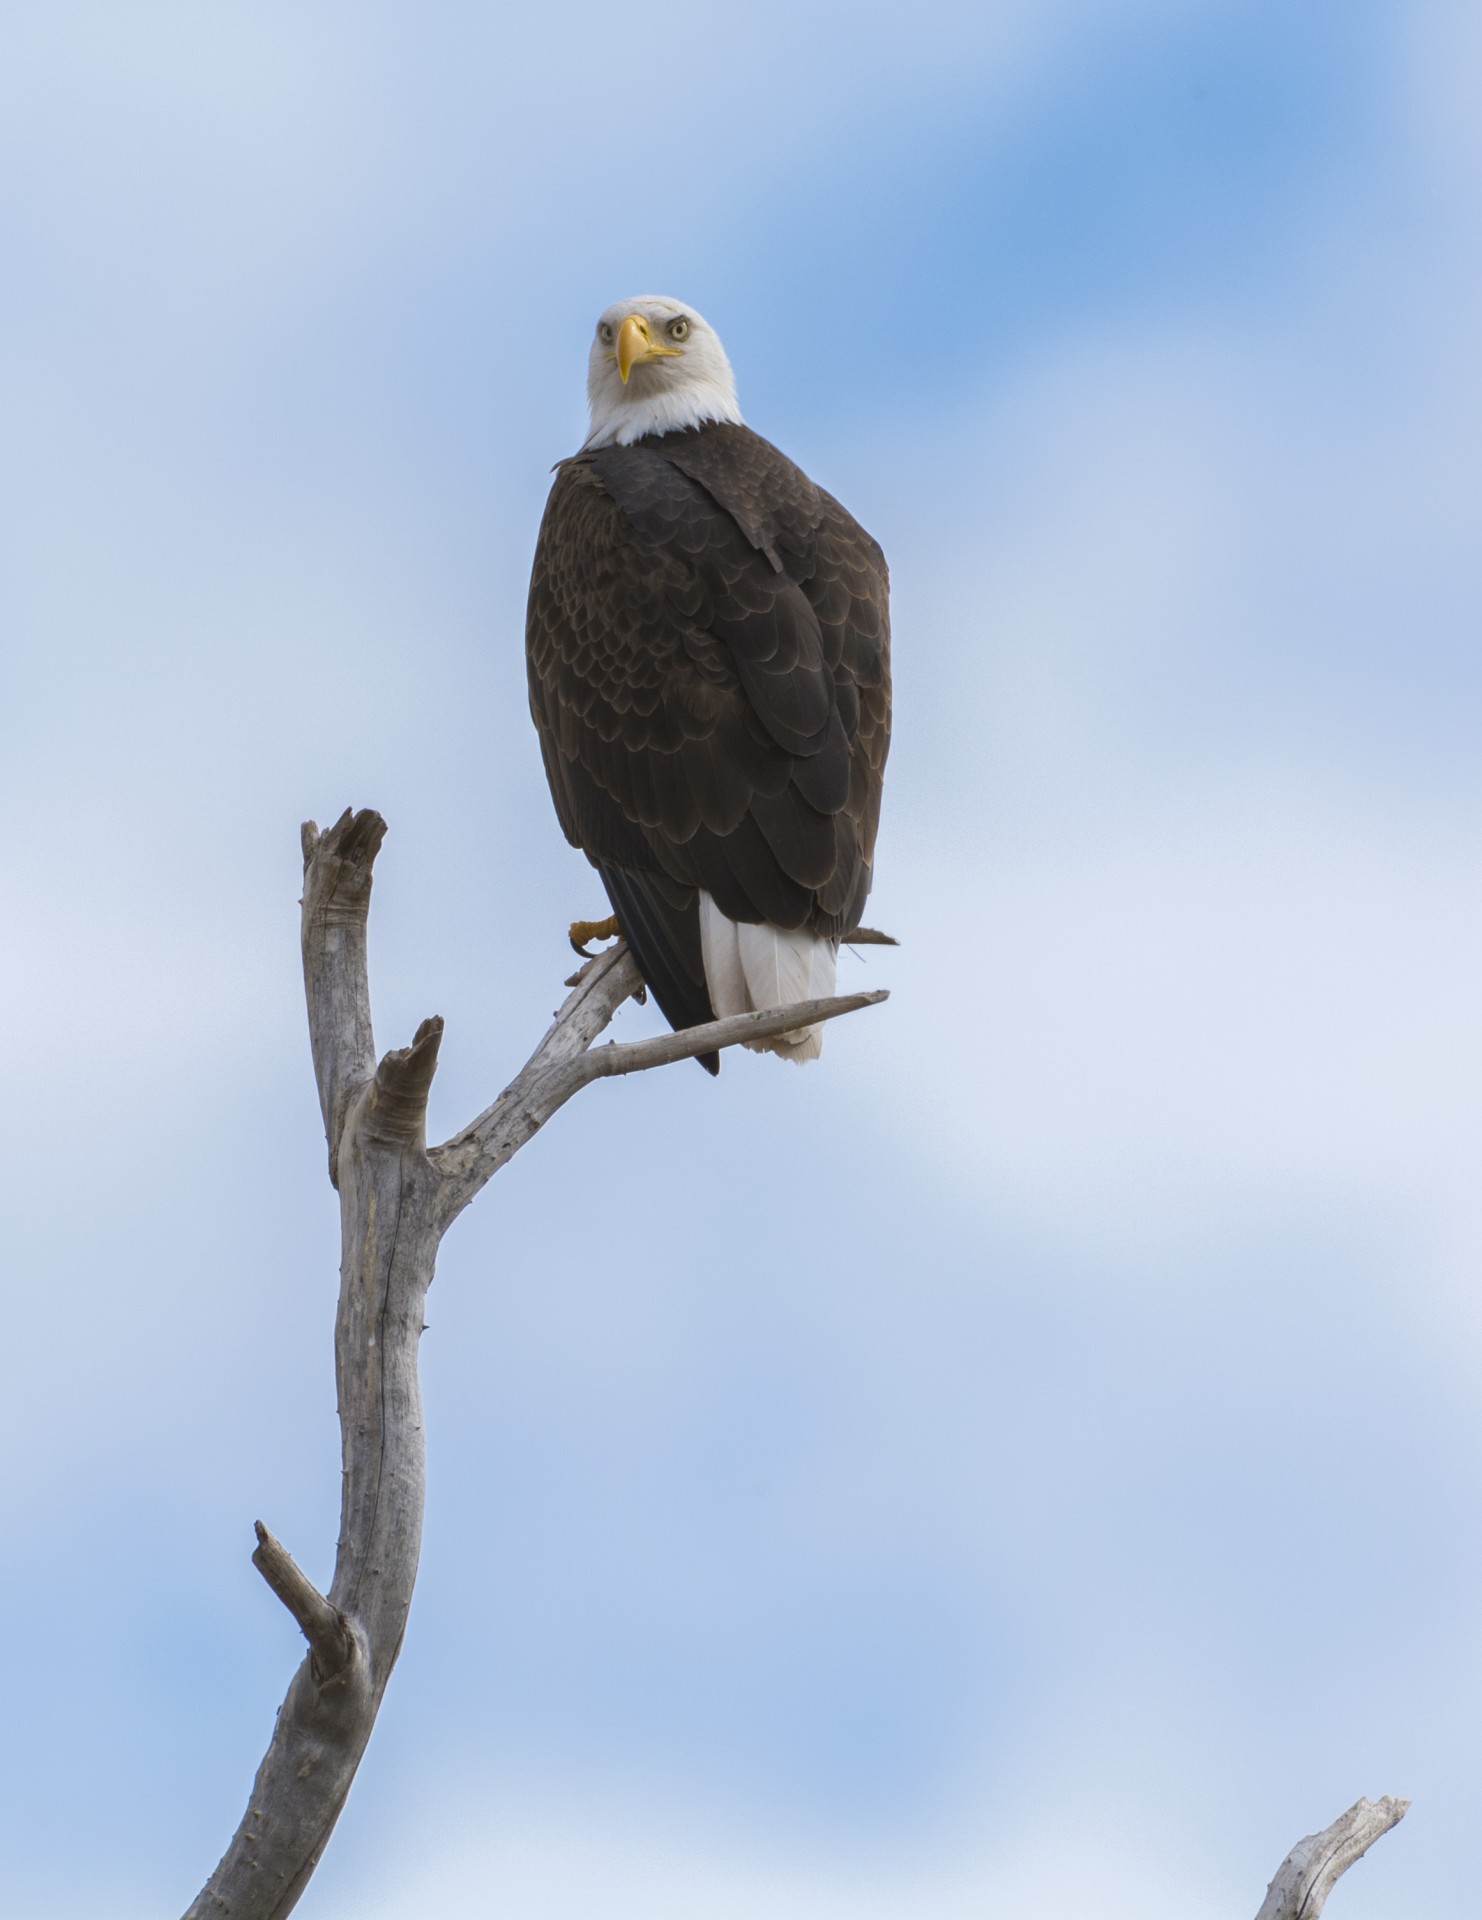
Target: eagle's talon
[[583, 930]]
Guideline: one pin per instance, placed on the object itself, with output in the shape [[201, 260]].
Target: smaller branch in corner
[[324, 1627], [1315, 1865]]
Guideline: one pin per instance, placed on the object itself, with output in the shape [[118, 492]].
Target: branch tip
[[635, 1056], [429, 1033]]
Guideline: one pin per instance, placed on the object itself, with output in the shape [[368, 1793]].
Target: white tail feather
[[749, 968]]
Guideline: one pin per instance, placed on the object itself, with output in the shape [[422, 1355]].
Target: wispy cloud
[[999, 1477]]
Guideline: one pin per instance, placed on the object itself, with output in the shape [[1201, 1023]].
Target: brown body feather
[[708, 642]]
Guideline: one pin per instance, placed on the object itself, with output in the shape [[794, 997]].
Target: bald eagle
[[708, 645]]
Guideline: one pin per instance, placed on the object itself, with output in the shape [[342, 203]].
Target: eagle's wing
[[709, 676]]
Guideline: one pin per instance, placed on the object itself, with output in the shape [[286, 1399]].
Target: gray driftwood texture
[[398, 1197], [1315, 1865]]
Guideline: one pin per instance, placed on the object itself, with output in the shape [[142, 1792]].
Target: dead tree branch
[[1315, 1865], [397, 1199], [565, 1062]]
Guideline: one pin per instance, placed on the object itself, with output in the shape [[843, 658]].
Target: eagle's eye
[[604, 332], [679, 329]]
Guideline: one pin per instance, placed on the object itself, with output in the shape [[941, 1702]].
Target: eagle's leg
[[584, 930]]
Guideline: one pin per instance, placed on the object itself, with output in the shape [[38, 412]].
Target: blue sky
[[1026, 1466]]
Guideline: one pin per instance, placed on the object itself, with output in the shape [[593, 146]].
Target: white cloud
[[1268, 991], [1194, 827], [647, 1862]]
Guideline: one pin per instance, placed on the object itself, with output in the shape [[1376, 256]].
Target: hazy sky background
[[1027, 1466]]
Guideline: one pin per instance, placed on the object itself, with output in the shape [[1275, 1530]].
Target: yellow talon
[[584, 930]]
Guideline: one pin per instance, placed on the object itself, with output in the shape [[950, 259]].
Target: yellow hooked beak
[[635, 345]]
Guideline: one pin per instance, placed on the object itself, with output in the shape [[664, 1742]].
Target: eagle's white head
[[656, 365]]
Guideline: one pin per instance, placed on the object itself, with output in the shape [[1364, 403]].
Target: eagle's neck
[[617, 421]]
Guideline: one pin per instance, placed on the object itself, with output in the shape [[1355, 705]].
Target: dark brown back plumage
[[708, 642]]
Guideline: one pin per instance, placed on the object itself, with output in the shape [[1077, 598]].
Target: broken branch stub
[[323, 1626]]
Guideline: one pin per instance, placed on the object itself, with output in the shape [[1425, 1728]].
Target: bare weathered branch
[[473, 1156], [336, 906], [636, 1056], [323, 1626], [396, 1202], [1315, 1865], [389, 1240], [375, 1121]]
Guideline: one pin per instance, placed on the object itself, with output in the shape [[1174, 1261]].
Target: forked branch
[[397, 1199], [566, 1061]]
